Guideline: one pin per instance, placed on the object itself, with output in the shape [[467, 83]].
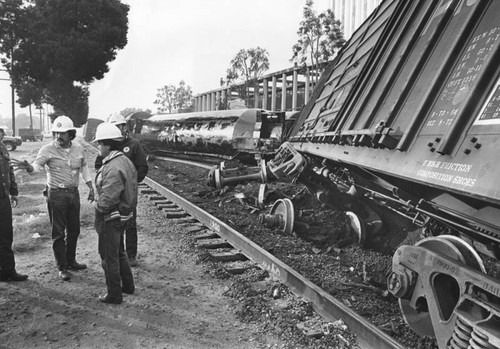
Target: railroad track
[[215, 233]]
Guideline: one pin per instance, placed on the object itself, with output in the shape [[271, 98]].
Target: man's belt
[[68, 190]]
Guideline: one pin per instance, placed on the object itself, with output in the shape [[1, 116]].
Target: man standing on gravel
[[134, 151], [64, 161], [116, 183], [8, 197]]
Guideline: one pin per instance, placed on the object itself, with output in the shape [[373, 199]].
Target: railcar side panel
[[414, 126]]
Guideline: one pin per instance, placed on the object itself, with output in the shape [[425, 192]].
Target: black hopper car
[[406, 120]]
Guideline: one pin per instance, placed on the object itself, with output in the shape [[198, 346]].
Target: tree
[[60, 48], [178, 98], [11, 23], [129, 110], [320, 38], [248, 65], [69, 99]]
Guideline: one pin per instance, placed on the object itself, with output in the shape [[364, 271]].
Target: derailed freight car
[[407, 120], [243, 134]]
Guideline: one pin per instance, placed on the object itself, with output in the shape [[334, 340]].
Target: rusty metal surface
[[369, 336]]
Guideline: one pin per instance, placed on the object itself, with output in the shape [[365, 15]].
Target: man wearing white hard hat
[[116, 184], [64, 162], [8, 197], [134, 151]]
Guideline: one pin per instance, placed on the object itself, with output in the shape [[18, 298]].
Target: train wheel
[[454, 248], [284, 209], [262, 195], [213, 178], [357, 226]]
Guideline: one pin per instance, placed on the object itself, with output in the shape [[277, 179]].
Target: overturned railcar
[[407, 120], [243, 134]]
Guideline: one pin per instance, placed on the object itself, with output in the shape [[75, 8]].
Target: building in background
[[352, 13]]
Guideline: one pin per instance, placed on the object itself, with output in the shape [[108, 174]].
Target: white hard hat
[[117, 119], [107, 130], [62, 124], [4, 128]]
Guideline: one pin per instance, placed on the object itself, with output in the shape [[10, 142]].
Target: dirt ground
[[175, 305]]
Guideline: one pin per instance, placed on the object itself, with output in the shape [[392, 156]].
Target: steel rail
[[368, 335]]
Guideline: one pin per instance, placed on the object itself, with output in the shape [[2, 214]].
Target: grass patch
[[32, 228], [30, 231], [29, 205], [30, 189], [87, 213], [27, 181]]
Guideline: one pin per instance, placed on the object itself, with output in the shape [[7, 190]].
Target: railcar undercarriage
[[441, 281]]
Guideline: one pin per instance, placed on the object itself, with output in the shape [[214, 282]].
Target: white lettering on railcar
[[431, 170], [450, 166]]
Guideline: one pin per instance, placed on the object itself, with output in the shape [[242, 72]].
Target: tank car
[[406, 121], [243, 134], [90, 127]]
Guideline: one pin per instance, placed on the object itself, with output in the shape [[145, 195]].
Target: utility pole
[[13, 95], [31, 118], [41, 119], [13, 100]]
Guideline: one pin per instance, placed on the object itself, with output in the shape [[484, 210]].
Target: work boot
[[15, 276], [132, 261], [128, 290], [76, 266], [109, 300], [64, 275]]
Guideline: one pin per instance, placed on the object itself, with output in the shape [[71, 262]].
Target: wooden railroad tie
[[195, 228], [206, 235], [170, 206], [163, 202], [156, 197], [174, 214], [231, 256], [237, 270], [186, 220], [213, 243]]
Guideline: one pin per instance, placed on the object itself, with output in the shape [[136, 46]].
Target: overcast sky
[[193, 40]]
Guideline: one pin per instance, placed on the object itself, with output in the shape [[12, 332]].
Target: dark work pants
[[113, 257], [131, 236], [7, 263], [64, 211]]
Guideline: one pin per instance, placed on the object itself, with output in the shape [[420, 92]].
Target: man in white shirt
[[64, 162]]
